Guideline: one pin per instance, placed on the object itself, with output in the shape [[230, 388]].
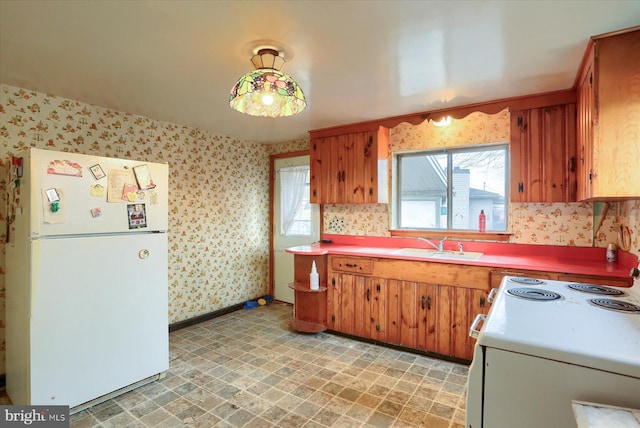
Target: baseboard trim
[[204, 317], [401, 348]]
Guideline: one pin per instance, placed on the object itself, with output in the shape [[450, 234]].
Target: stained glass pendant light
[[267, 91]]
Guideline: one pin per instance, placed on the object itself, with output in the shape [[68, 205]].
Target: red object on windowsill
[[482, 221]]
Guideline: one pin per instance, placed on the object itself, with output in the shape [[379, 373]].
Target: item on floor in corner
[[268, 298], [314, 279], [262, 302], [250, 304]]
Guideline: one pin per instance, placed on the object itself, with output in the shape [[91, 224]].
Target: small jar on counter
[[612, 253]]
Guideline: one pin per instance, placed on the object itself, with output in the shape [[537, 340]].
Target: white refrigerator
[[86, 277]]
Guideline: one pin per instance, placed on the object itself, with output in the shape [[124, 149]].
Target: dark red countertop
[[550, 258]]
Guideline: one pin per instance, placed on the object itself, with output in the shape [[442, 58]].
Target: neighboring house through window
[[448, 189]]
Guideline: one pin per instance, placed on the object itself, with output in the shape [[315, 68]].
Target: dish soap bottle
[[314, 280], [482, 221]]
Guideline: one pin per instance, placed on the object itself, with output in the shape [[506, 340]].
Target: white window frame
[[396, 184]]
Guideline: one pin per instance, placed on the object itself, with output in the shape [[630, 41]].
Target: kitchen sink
[[435, 254]]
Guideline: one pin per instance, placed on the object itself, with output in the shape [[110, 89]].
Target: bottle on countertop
[[612, 253], [482, 222], [314, 280]]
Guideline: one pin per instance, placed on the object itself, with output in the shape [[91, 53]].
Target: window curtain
[[292, 187]]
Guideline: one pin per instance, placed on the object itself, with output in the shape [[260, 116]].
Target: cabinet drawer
[[497, 275], [604, 280], [360, 265]]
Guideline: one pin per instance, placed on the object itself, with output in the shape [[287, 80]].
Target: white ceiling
[[355, 60]]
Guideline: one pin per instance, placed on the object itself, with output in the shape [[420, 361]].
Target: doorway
[[295, 221]]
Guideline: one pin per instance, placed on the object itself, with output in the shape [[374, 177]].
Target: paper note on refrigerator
[[53, 206], [117, 181]]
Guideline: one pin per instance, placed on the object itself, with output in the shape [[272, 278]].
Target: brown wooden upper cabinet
[[608, 140], [543, 154], [350, 168]]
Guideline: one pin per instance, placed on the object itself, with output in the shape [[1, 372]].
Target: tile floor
[[247, 369]]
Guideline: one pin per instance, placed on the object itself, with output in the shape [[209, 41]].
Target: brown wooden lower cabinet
[[429, 317], [362, 300]]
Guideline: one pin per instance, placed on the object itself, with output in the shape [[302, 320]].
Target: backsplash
[[548, 224]]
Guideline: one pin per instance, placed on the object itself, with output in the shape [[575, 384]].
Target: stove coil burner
[[525, 280], [616, 305], [534, 294], [596, 289]]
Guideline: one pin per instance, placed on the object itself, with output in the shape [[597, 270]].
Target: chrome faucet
[[439, 247], [460, 247]]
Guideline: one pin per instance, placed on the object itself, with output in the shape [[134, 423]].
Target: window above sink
[[446, 189]]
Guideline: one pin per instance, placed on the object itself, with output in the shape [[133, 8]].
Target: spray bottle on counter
[[314, 280], [482, 222]]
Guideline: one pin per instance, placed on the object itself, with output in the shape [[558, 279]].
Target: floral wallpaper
[[530, 223], [218, 191]]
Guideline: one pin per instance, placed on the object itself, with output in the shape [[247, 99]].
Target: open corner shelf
[[305, 288], [306, 327]]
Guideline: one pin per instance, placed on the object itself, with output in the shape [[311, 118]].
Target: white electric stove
[[545, 343]]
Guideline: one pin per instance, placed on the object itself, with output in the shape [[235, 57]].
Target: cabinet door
[[585, 109], [616, 131], [334, 183], [526, 161], [393, 310], [347, 304], [323, 170], [469, 302], [456, 310], [427, 317], [559, 153], [333, 301], [378, 309], [542, 149], [409, 315], [355, 165], [363, 299], [445, 321]]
